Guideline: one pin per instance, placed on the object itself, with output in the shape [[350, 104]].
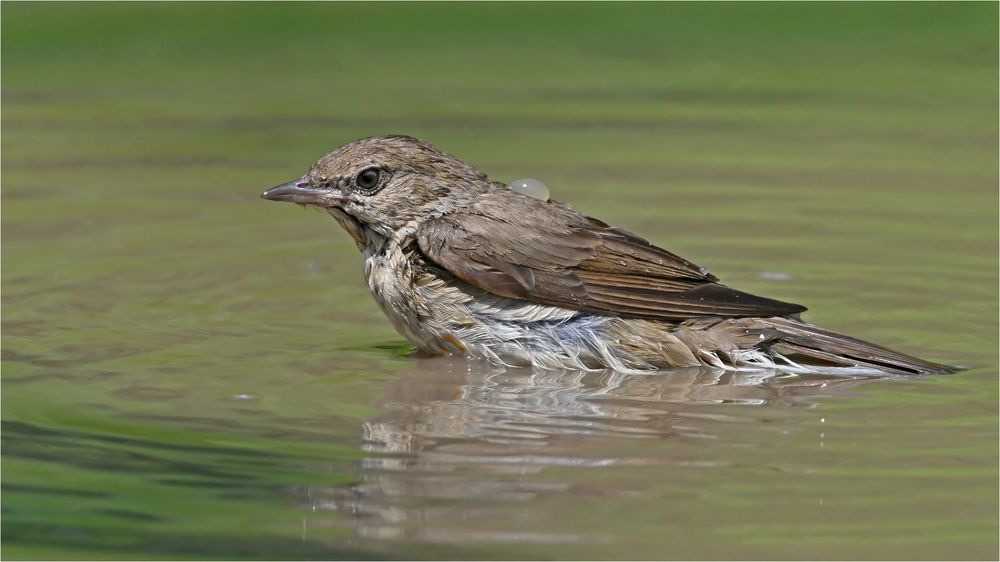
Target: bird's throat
[[351, 225]]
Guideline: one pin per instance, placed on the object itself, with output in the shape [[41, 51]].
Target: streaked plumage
[[462, 265]]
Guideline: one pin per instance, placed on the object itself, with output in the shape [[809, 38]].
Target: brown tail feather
[[806, 339]]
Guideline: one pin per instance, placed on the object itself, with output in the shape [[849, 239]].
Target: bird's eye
[[368, 178]]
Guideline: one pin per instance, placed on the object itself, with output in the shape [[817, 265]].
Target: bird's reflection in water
[[457, 437]]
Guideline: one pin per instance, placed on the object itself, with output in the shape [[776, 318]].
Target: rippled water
[[604, 460], [190, 372]]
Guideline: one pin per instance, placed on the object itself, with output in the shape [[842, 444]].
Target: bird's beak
[[301, 191]]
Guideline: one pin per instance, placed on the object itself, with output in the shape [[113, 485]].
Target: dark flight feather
[[813, 341]]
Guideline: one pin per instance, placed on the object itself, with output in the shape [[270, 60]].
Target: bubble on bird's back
[[530, 187]]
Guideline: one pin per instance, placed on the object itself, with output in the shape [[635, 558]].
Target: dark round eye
[[368, 178]]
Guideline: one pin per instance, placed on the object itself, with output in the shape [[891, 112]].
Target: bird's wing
[[520, 248]]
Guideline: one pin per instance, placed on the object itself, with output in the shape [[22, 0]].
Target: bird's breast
[[411, 297]]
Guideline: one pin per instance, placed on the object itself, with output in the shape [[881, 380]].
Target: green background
[[187, 368]]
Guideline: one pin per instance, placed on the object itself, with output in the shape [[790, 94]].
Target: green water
[[191, 372]]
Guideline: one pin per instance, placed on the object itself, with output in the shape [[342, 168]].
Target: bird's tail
[[794, 337]]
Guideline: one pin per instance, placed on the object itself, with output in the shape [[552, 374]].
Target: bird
[[462, 265]]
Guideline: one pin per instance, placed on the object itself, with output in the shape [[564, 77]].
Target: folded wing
[[520, 248]]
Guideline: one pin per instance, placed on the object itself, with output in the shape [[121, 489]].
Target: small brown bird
[[463, 265]]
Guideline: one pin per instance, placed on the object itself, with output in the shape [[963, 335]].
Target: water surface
[[190, 372]]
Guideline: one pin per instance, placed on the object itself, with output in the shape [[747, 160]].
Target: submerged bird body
[[462, 265]]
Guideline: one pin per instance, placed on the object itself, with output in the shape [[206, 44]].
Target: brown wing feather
[[548, 254]]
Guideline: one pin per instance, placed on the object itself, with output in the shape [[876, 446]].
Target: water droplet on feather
[[530, 187]]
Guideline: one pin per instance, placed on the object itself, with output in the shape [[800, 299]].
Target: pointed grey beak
[[300, 191]]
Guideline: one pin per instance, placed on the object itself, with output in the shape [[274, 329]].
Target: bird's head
[[379, 185]]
